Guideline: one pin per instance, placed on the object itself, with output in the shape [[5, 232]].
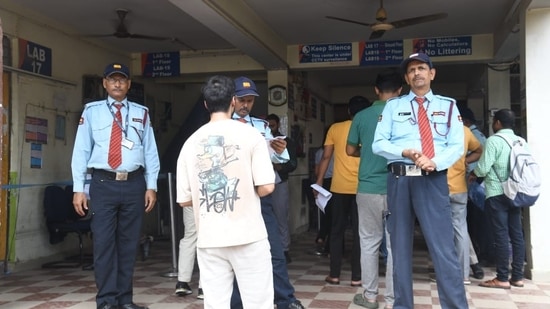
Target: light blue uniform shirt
[[263, 126], [482, 140], [93, 137], [397, 129]]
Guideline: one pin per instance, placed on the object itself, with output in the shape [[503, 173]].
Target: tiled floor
[[75, 288]]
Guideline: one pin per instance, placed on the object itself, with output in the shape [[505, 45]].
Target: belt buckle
[[121, 176], [413, 170]]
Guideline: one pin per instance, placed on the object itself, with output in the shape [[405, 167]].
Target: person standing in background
[[343, 188], [458, 196], [222, 171], [505, 218], [372, 207], [479, 227], [246, 93], [421, 136], [115, 139], [281, 194], [322, 241]]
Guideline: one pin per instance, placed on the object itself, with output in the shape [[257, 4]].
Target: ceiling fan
[[381, 25], [121, 32]]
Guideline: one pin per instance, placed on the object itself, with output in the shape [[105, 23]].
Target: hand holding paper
[[322, 198]]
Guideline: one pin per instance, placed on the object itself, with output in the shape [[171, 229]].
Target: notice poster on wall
[[36, 155], [338, 52], [36, 130], [163, 64], [443, 47]]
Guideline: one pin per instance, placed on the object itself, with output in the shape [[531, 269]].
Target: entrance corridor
[[75, 288]]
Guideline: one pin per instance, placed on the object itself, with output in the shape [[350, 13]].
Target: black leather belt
[[119, 176], [402, 169]]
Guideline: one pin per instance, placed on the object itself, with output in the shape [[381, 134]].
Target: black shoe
[[287, 257], [477, 271], [182, 289], [131, 306], [296, 305], [107, 306], [200, 294]]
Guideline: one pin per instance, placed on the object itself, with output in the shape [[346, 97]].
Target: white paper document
[[322, 198], [268, 141]]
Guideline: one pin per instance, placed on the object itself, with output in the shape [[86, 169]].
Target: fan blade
[[147, 37], [418, 20], [376, 34], [348, 21]]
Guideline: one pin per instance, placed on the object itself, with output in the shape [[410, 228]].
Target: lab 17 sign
[[35, 58]]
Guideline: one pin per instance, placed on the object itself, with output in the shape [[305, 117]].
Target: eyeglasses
[[112, 81]]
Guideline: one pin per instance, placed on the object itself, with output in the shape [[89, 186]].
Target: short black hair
[[467, 113], [357, 103], [506, 117], [218, 92], [273, 117], [389, 81]]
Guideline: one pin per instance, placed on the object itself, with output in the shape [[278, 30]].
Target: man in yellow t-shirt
[[343, 188], [458, 195]]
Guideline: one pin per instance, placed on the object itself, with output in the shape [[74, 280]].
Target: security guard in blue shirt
[[245, 93], [417, 181], [120, 192]]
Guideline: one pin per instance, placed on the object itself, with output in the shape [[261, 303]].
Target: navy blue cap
[[416, 56], [245, 86], [116, 68]]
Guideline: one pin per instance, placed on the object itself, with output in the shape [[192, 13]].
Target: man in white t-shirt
[[223, 169]]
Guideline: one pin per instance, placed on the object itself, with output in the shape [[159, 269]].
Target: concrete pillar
[[536, 26]]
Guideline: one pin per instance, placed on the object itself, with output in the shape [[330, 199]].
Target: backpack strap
[[509, 144]]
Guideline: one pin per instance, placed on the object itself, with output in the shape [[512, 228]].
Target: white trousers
[[250, 264]]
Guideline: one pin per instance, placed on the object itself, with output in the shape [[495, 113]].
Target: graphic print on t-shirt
[[218, 192]]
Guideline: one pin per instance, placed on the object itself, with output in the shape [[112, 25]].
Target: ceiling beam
[[238, 24]]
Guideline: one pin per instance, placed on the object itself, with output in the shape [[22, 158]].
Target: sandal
[[517, 283], [356, 283], [331, 280], [495, 284]]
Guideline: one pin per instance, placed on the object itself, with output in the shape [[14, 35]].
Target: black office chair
[[61, 219]]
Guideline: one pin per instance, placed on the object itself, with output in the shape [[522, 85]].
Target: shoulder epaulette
[[445, 98], [94, 104], [134, 104]]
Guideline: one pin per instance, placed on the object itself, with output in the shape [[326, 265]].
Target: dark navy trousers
[[425, 198], [117, 212], [284, 291]]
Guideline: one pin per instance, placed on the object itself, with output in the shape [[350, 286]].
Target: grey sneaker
[[183, 289]]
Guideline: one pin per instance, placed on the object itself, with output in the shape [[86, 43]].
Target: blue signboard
[[164, 64], [442, 47], [35, 58], [325, 53], [381, 53]]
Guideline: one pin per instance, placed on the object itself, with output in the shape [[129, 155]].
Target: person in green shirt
[[372, 206], [505, 219]]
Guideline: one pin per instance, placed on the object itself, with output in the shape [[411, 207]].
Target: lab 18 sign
[[35, 58]]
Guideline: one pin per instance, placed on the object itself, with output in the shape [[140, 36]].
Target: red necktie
[[242, 120], [426, 136], [115, 145]]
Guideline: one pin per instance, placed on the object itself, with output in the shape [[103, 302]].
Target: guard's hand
[[279, 145], [80, 203], [425, 163], [150, 200], [411, 154]]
